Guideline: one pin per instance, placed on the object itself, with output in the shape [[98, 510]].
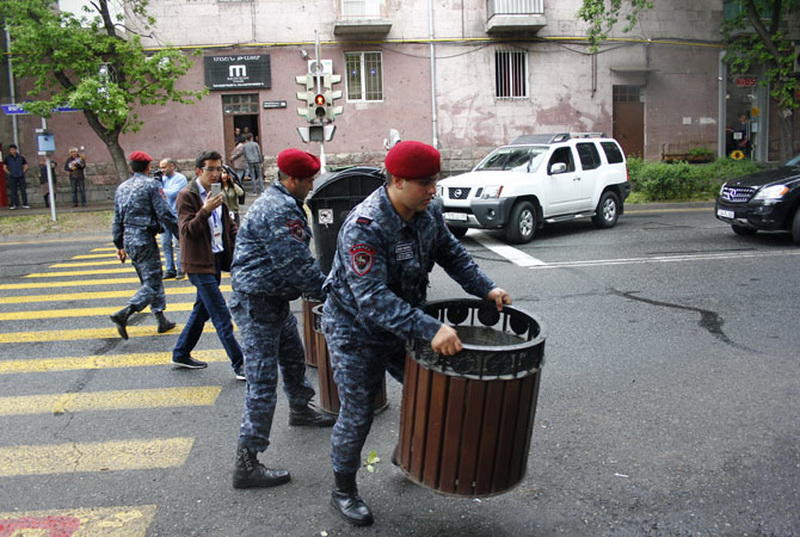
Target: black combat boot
[[120, 319], [164, 324], [249, 473], [348, 503], [306, 415]]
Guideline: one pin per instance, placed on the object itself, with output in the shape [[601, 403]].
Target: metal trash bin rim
[[484, 361]]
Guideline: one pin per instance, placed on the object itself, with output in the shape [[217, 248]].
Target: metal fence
[[514, 7]]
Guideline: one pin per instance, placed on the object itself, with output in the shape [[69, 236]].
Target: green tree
[[755, 39], [94, 63]]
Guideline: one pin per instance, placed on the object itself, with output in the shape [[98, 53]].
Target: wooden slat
[[435, 429], [309, 335], [407, 411], [328, 392], [471, 435], [420, 423], [519, 455], [487, 450], [508, 424], [451, 439]]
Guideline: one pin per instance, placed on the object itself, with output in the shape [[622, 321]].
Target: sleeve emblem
[[362, 258], [296, 230]]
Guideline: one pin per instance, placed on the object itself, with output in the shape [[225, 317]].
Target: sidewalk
[[60, 209]]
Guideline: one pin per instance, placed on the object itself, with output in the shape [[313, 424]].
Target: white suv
[[536, 179]]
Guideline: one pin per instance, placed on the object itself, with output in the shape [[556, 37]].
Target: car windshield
[[793, 161], [513, 158]]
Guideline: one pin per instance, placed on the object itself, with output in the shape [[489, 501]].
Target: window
[[626, 94], [613, 154], [364, 76], [587, 152], [511, 74], [562, 154], [240, 104]]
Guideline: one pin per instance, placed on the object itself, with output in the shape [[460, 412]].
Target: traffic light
[[309, 96], [331, 110], [319, 97]]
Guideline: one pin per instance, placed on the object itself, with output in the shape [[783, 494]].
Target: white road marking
[[518, 257], [665, 259]]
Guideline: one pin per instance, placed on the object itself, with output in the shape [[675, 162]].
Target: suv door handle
[[576, 178]]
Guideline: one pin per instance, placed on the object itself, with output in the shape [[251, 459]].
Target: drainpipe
[[434, 117], [11, 92], [722, 103]]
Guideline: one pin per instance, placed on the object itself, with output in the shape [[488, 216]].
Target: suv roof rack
[[553, 138]]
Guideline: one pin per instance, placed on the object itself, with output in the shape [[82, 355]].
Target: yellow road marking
[[88, 333], [94, 456], [96, 295], [109, 400], [94, 256], [85, 264], [58, 274], [29, 315], [105, 361], [119, 521], [86, 238], [114, 249], [73, 283]]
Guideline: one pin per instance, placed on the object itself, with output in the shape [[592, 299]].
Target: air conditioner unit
[[327, 66]]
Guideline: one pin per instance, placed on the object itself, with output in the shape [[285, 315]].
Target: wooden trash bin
[[309, 335], [328, 392], [466, 420]]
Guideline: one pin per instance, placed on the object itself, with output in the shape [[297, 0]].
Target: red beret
[[297, 164], [413, 160], [140, 156]]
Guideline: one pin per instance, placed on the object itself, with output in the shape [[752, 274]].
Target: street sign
[[273, 104], [19, 109]]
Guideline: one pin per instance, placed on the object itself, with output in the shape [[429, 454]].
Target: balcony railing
[[514, 7], [362, 17], [362, 9]]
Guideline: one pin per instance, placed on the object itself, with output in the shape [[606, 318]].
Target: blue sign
[[12, 109]]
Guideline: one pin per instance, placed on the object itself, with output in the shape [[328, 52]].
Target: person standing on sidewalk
[[254, 158], [272, 266], [140, 211], [207, 236], [16, 166], [76, 165], [173, 182]]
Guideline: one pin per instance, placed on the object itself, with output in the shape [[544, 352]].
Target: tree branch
[[758, 26]]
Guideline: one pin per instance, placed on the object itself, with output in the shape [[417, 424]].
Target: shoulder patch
[[363, 220], [161, 191], [296, 230], [362, 258]]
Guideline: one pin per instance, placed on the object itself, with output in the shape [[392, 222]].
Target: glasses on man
[[213, 168]]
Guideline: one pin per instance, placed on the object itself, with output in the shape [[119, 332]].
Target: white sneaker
[[12, 208], [26, 206]]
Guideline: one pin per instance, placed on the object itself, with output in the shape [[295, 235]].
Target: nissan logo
[[457, 193]]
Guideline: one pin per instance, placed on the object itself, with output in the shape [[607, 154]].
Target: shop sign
[[237, 72], [745, 81]]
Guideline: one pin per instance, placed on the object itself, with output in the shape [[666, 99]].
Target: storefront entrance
[[240, 112]]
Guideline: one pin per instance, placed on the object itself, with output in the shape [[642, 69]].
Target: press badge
[[404, 251]]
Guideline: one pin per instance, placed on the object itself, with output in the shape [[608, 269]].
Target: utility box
[[334, 195]]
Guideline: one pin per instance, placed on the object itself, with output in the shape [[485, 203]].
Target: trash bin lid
[[364, 179]]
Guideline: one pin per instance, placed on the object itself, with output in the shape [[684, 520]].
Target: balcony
[[358, 18], [510, 16]]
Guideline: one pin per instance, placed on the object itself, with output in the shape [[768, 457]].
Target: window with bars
[[511, 74], [246, 103], [364, 76], [626, 94]]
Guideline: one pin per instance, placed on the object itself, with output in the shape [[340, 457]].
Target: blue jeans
[[209, 304], [166, 245], [254, 171]]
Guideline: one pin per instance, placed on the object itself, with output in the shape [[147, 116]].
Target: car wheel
[[458, 232], [796, 227], [607, 212], [743, 230], [522, 223]]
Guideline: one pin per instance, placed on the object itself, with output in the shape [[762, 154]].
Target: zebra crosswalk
[[61, 358]]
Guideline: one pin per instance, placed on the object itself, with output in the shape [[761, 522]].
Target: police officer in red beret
[[272, 266], [140, 211], [377, 285]]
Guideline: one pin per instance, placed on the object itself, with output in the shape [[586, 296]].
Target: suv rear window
[[590, 158], [613, 154]]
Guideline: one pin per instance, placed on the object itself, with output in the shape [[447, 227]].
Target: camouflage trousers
[[143, 252], [359, 366], [270, 340]]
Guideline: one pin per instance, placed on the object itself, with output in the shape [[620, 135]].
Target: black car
[[767, 200]]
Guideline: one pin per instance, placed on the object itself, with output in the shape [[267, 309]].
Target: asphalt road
[[668, 402]]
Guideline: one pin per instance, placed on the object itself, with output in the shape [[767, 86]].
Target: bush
[[681, 181]]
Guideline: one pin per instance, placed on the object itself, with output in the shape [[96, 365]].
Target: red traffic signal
[[319, 100]]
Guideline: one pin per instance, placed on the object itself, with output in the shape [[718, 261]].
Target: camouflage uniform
[[378, 280], [272, 265], [140, 210]]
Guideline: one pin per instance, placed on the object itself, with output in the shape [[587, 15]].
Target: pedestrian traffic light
[[319, 97], [331, 110], [309, 96]]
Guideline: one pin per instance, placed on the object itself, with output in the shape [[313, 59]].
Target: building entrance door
[[239, 112], [629, 119]]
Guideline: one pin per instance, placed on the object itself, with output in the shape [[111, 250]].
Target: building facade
[[466, 76]]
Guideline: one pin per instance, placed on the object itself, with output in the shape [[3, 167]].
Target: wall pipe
[[434, 116]]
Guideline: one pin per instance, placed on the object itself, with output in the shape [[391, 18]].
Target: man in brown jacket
[[207, 236]]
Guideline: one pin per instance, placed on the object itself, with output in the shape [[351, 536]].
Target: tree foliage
[[92, 62]]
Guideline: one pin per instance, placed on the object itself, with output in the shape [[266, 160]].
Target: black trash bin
[[334, 195]]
